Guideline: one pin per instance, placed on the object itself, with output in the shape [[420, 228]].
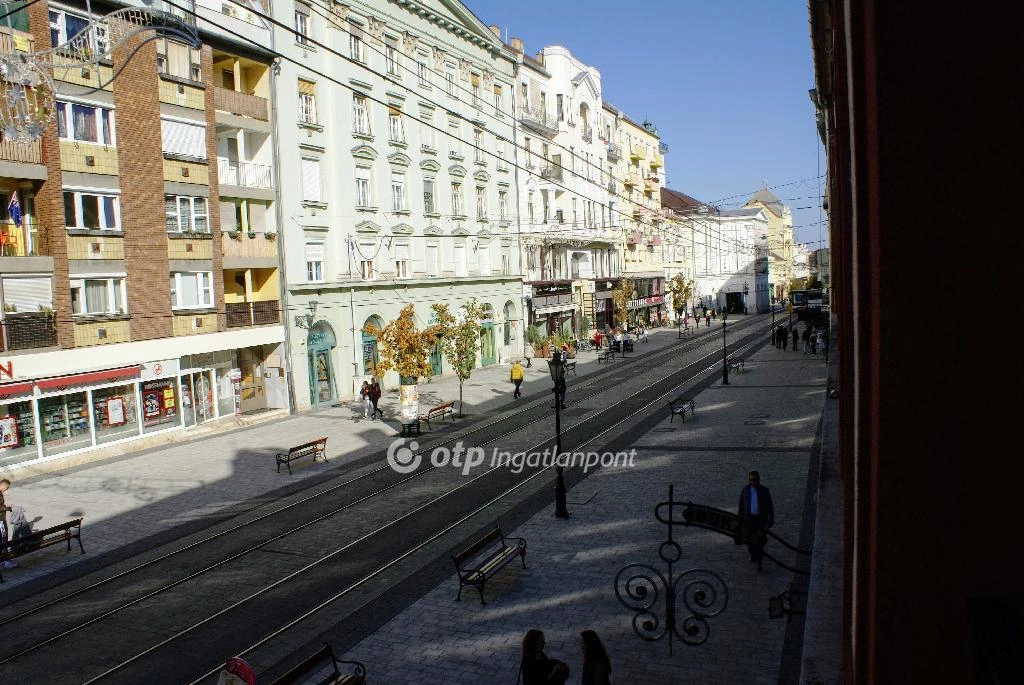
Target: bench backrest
[[481, 544], [306, 445], [38, 536], [307, 666], [442, 407]]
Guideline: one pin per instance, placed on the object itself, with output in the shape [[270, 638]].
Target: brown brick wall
[[49, 200], [214, 208], [140, 158]]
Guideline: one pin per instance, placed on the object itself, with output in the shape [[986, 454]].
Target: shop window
[[64, 423], [17, 433], [159, 404], [114, 413]]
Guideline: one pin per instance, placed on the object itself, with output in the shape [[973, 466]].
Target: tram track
[[265, 559]]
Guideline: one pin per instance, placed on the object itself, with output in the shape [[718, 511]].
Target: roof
[[768, 199], [744, 211], [682, 203]]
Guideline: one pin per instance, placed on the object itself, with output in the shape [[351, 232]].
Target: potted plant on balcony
[[270, 235], [235, 234], [251, 234]]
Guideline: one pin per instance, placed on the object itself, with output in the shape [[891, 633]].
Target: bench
[[410, 427], [316, 448], [683, 330], [65, 532], [476, 572], [317, 662], [438, 412], [735, 364], [570, 365], [605, 355], [678, 407]]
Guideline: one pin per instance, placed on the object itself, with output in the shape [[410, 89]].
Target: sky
[[724, 81]]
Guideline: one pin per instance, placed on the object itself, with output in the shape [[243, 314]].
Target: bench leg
[[481, 589], [289, 465], [458, 598]]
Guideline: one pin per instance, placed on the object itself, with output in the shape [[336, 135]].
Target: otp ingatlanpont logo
[[403, 459]]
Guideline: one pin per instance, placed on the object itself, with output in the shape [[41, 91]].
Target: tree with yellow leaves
[[404, 347], [682, 291], [621, 297]]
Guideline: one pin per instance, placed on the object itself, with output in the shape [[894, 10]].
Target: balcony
[[12, 41], [662, 148], [631, 180], [650, 186], [538, 120], [637, 152], [588, 133], [244, 174], [18, 241], [551, 172], [657, 161], [244, 250], [614, 152], [28, 331], [240, 314], [242, 104], [26, 153]]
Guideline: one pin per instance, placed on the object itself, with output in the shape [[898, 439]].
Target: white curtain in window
[[96, 300]]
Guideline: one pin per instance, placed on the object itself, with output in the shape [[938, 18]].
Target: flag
[[14, 209]]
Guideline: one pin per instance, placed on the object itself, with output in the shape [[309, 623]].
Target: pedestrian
[[597, 668], [707, 317], [536, 668], [785, 338], [561, 394], [598, 338], [528, 354], [642, 334], [758, 513], [773, 336], [714, 314], [375, 398], [821, 340], [364, 399], [516, 376], [796, 336], [808, 334], [4, 508]]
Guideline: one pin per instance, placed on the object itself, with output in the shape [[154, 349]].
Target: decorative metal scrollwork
[[701, 593]]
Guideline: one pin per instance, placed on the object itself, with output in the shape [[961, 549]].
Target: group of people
[[813, 338], [369, 395], [537, 668]]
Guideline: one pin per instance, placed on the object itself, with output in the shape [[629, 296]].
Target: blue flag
[[14, 209]]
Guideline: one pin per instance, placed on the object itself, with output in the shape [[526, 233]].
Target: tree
[[682, 291], [459, 336], [621, 297], [404, 347]]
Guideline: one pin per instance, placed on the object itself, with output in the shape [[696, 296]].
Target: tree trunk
[[460, 397]]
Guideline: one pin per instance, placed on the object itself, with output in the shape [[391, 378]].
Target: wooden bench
[[484, 567], [65, 532], [605, 355], [317, 448], [735, 364], [678, 407], [439, 412], [570, 365], [317, 662]]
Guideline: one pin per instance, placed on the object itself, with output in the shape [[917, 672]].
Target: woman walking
[[597, 668], [536, 668]]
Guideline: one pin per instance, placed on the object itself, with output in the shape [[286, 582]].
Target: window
[[454, 137], [502, 205], [449, 78], [427, 130], [431, 261], [360, 117], [500, 152], [396, 130], [402, 260], [101, 295], [356, 44], [529, 206], [186, 214], [391, 55], [311, 180], [191, 290], [366, 271], [302, 24], [180, 60], [528, 153], [478, 145], [460, 260], [314, 261], [484, 259], [91, 211], [65, 26], [525, 94], [481, 202], [183, 139], [457, 199], [307, 102], [398, 192], [422, 70], [505, 261], [428, 196], [474, 81], [559, 107], [364, 196], [85, 123], [498, 99]]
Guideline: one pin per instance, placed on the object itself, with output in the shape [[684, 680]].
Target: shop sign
[[235, 374], [317, 337], [8, 431], [7, 369], [159, 369]]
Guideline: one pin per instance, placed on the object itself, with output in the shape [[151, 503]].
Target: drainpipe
[[355, 347], [515, 175], [282, 284]]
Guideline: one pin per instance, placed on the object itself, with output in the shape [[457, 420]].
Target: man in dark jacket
[[758, 513]]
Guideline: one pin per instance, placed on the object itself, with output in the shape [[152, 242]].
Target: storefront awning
[[9, 389], [552, 308], [90, 377]]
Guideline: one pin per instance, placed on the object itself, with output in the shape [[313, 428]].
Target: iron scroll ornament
[[704, 594]]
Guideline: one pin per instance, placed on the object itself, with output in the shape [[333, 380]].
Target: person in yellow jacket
[[517, 377]]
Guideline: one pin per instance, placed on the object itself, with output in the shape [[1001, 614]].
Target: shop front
[[488, 354], [552, 307], [320, 344]]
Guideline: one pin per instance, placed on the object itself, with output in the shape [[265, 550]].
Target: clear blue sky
[[724, 81]]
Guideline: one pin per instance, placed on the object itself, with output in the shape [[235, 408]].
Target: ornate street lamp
[[557, 368], [725, 356]]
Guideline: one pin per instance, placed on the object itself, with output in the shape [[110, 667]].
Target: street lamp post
[[725, 356], [557, 369]]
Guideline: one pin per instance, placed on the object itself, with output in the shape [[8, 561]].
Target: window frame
[[191, 199], [116, 286], [204, 285], [398, 199], [319, 263], [430, 207], [456, 198], [303, 23], [101, 210], [106, 122], [364, 182], [360, 115]]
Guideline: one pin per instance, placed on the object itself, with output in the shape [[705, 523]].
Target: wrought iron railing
[[588, 133], [28, 331], [552, 172], [614, 151], [241, 314], [537, 116], [245, 174]]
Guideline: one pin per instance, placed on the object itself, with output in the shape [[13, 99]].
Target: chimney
[[540, 57], [496, 30], [517, 44]]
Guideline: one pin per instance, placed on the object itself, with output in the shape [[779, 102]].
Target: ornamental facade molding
[[376, 28]]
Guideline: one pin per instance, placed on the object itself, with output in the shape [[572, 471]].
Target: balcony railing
[[241, 104], [29, 153], [588, 133], [537, 117], [637, 152], [241, 314], [614, 152], [21, 41], [245, 174], [28, 331], [18, 241], [551, 172]]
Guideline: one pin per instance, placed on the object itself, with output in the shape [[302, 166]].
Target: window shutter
[[402, 251], [258, 217], [186, 140], [307, 87], [28, 294], [314, 252], [311, 180]]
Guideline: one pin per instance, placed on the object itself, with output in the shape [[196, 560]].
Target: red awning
[[8, 389], [90, 377]]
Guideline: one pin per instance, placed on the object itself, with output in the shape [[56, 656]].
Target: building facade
[[131, 304], [397, 181], [780, 241]]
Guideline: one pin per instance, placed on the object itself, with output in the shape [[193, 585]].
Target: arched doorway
[[370, 354], [435, 351], [320, 344], [487, 349], [510, 325]]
